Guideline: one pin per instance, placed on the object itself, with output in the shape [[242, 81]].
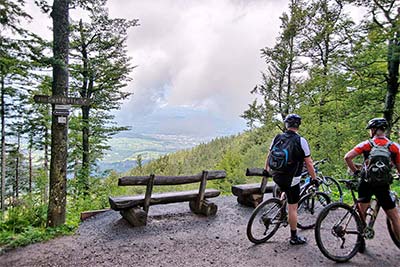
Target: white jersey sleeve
[[305, 147]]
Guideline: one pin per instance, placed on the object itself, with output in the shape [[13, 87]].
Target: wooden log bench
[[135, 208], [253, 194]]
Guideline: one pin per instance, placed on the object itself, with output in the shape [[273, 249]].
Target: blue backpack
[[282, 155]]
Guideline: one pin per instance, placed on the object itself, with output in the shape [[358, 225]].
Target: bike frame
[[368, 232]]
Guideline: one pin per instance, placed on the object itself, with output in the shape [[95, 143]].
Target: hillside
[[232, 153]]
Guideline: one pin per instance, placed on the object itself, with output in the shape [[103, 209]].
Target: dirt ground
[[176, 237]]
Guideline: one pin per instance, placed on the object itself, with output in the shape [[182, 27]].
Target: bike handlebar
[[350, 184], [322, 161], [316, 163]]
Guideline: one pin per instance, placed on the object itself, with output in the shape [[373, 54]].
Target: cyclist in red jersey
[[377, 127]]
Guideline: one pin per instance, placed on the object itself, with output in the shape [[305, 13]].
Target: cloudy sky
[[197, 61]]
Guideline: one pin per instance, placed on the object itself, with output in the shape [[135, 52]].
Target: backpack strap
[[373, 144], [276, 140], [388, 144]]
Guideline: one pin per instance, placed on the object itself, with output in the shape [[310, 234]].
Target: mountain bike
[[272, 213], [327, 184], [339, 230]]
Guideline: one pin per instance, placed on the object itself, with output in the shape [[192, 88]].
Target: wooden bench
[[130, 207], [253, 194]]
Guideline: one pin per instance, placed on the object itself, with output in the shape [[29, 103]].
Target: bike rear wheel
[[338, 232], [265, 220], [389, 226], [309, 207], [331, 187]]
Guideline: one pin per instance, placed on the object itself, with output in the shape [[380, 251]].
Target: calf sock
[[293, 233]]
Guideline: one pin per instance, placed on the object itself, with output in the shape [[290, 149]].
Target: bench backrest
[[170, 180], [257, 172]]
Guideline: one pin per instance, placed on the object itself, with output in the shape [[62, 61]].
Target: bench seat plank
[[125, 202], [250, 189]]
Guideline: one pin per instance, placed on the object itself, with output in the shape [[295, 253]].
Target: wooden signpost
[[62, 104], [62, 100]]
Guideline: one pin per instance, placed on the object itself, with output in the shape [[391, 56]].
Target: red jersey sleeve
[[395, 149], [362, 147], [366, 147]]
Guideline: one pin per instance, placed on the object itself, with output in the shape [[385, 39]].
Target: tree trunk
[[87, 85], [59, 130], [85, 150], [392, 80], [30, 171], [3, 149], [17, 167], [46, 163]]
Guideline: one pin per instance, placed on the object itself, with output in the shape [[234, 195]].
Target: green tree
[[326, 42], [384, 28], [14, 67], [100, 68], [281, 78], [38, 132]]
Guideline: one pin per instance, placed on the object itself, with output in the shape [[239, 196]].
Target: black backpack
[[379, 168], [282, 155]]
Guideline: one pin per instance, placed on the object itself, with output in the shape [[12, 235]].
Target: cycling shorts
[[292, 194], [382, 193]]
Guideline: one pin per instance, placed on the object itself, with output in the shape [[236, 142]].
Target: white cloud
[[195, 55], [200, 54]]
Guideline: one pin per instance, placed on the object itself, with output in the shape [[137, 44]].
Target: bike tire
[[332, 188], [309, 206], [276, 191], [389, 227], [265, 221], [330, 226]]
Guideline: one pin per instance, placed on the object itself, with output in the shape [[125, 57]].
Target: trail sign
[[62, 100], [61, 110]]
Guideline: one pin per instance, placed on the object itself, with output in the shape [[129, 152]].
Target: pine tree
[[14, 66], [100, 68]]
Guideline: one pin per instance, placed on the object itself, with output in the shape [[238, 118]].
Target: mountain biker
[[289, 181], [377, 127]]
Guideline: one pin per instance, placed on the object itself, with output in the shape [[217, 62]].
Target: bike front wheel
[[265, 220], [395, 239], [309, 207], [338, 232]]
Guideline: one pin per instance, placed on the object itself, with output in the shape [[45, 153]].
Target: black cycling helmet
[[292, 121], [377, 123]]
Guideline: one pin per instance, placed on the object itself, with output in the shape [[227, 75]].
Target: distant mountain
[[127, 146], [118, 166]]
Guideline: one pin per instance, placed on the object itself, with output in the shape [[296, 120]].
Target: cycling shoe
[[298, 240]]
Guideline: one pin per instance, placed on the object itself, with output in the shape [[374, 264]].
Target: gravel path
[[176, 237]]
